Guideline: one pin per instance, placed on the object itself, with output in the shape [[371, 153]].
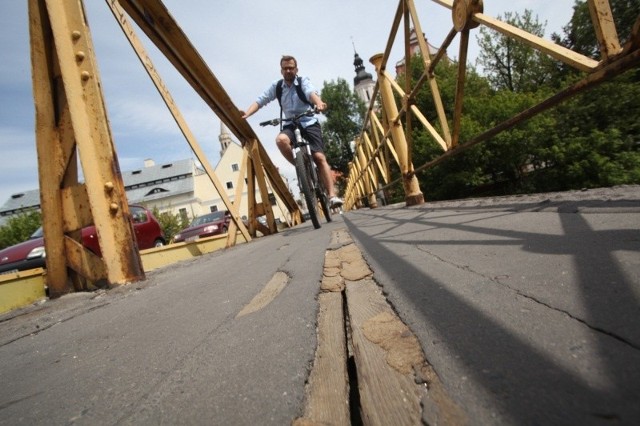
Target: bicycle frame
[[300, 146], [308, 177]]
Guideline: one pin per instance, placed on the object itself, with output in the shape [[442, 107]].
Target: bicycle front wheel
[[323, 199], [304, 178]]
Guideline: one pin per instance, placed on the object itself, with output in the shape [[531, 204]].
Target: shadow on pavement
[[518, 378]]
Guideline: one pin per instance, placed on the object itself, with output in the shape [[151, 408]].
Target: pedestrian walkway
[[514, 310]]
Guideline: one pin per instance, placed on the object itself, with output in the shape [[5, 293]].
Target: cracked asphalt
[[526, 307]]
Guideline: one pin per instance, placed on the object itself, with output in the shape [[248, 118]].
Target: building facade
[[179, 187]]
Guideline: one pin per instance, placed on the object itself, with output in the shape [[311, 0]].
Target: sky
[[242, 42]]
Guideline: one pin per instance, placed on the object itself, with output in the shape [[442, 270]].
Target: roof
[[158, 173], [145, 184], [21, 201], [183, 185]]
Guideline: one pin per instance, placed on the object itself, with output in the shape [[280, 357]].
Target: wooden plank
[[387, 397], [327, 392]]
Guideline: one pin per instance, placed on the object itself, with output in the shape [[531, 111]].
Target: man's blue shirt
[[291, 102]]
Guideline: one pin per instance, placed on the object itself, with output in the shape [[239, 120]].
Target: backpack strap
[[279, 92], [298, 87]]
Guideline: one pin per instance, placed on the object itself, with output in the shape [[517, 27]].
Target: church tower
[[224, 138], [363, 82]]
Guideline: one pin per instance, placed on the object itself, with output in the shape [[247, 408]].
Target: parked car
[[214, 223], [31, 253], [22, 256]]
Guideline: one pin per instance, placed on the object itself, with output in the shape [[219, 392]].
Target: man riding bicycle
[[296, 94]]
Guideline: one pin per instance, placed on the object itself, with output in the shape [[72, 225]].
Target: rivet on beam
[[80, 56], [75, 35], [113, 207], [85, 75], [108, 186]]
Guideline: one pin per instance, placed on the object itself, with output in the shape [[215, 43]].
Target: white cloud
[[241, 41]]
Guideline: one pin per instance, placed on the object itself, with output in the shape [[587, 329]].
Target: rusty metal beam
[[177, 115], [157, 23], [71, 123], [466, 15]]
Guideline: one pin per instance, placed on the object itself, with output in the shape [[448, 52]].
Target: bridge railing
[[72, 131], [383, 150]]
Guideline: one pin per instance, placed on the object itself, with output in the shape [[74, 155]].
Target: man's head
[[288, 68]]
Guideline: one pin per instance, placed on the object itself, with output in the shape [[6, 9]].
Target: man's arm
[[317, 101], [265, 98], [251, 110]]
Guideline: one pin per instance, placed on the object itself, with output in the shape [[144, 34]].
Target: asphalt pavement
[[527, 308]]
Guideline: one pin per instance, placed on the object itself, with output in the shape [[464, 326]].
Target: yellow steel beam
[[174, 44], [556, 51], [605, 28], [129, 32], [21, 289], [50, 146], [71, 125]]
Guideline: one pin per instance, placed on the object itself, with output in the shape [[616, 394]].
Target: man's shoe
[[335, 202]]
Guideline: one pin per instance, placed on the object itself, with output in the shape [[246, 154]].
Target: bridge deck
[[495, 311]]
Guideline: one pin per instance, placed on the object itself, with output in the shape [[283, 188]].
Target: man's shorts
[[313, 135]]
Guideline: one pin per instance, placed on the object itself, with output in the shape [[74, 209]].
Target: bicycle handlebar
[[276, 121]]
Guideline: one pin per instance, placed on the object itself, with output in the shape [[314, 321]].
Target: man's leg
[[325, 173], [284, 145], [314, 136]]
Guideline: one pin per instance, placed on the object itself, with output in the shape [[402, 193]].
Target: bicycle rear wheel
[[304, 178]]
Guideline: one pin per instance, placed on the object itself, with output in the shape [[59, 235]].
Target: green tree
[[510, 64], [19, 228], [579, 33], [344, 114], [171, 224], [600, 128]]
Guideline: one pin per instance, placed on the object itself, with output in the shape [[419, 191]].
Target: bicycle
[[308, 181]]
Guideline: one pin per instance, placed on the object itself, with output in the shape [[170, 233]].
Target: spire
[[224, 138], [361, 74]]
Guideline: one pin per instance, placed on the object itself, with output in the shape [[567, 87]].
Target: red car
[[31, 253], [214, 223]]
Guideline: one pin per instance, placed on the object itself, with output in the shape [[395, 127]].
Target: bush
[[171, 224], [19, 228]]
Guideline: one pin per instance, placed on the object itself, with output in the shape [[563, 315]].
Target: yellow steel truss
[[382, 132]]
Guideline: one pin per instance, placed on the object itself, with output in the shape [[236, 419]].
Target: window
[[229, 185], [183, 215], [213, 208], [234, 167], [272, 199], [156, 191], [138, 214]]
